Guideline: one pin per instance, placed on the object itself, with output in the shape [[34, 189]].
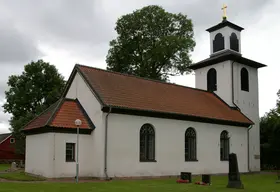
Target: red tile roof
[[61, 114], [131, 92]]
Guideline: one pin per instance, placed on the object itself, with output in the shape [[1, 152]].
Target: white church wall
[[39, 154], [46, 153], [226, 32], [123, 147], [79, 89], [68, 169], [248, 102], [224, 80]]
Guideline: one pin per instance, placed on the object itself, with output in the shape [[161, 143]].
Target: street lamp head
[[78, 122]]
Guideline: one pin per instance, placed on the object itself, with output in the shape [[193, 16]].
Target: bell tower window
[[212, 80], [218, 43], [234, 42], [244, 79]]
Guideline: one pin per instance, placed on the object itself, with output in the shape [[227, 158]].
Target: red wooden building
[[7, 150]]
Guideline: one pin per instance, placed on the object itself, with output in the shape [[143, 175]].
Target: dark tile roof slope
[[61, 114], [130, 92], [3, 136]]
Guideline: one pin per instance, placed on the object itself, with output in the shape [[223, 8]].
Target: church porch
[[51, 141]]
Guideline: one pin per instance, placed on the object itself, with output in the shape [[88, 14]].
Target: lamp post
[[78, 123]]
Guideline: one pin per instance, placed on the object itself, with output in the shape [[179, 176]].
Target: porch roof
[[62, 115]]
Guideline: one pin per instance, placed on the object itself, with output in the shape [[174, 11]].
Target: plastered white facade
[[39, 154], [91, 146], [123, 147], [224, 80], [248, 102], [79, 89], [226, 32], [46, 155]]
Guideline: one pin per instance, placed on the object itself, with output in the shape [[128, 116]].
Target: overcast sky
[[66, 32]]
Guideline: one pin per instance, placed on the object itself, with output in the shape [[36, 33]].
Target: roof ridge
[[40, 114], [142, 78], [54, 113]]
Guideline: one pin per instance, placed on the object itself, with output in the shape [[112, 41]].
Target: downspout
[[248, 146], [54, 162], [106, 136], [232, 86]]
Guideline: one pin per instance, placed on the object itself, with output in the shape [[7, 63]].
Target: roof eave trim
[[222, 58], [137, 112], [225, 24], [51, 129]]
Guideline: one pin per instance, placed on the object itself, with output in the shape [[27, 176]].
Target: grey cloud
[[15, 46], [89, 24], [64, 21], [4, 117], [205, 14]]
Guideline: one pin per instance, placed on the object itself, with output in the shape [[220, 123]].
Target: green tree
[[152, 43], [269, 137], [39, 86]]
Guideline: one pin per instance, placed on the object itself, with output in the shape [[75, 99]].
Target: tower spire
[[224, 11]]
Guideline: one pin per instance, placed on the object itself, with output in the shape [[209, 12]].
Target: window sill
[[192, 160], [148, 161], [70, 161]]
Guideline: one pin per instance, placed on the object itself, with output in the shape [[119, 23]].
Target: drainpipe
[[248, 146], [232, 86], [54, 161], [106, 135]]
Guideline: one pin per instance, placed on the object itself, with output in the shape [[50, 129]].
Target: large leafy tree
[[29, 94], [269, 137], [152, 43]]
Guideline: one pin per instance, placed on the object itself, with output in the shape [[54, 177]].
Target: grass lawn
[[4, 167], [19, 176], [253, 183]]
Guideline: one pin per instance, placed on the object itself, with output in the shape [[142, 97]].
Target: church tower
[[234, 79]]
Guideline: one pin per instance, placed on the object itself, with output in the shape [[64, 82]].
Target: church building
[[137, 127]]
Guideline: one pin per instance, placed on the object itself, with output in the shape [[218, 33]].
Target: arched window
[[212, 80], [234, 42], [244, 79], [147, 143], [190, 145], [224, 146], [218, 43]]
